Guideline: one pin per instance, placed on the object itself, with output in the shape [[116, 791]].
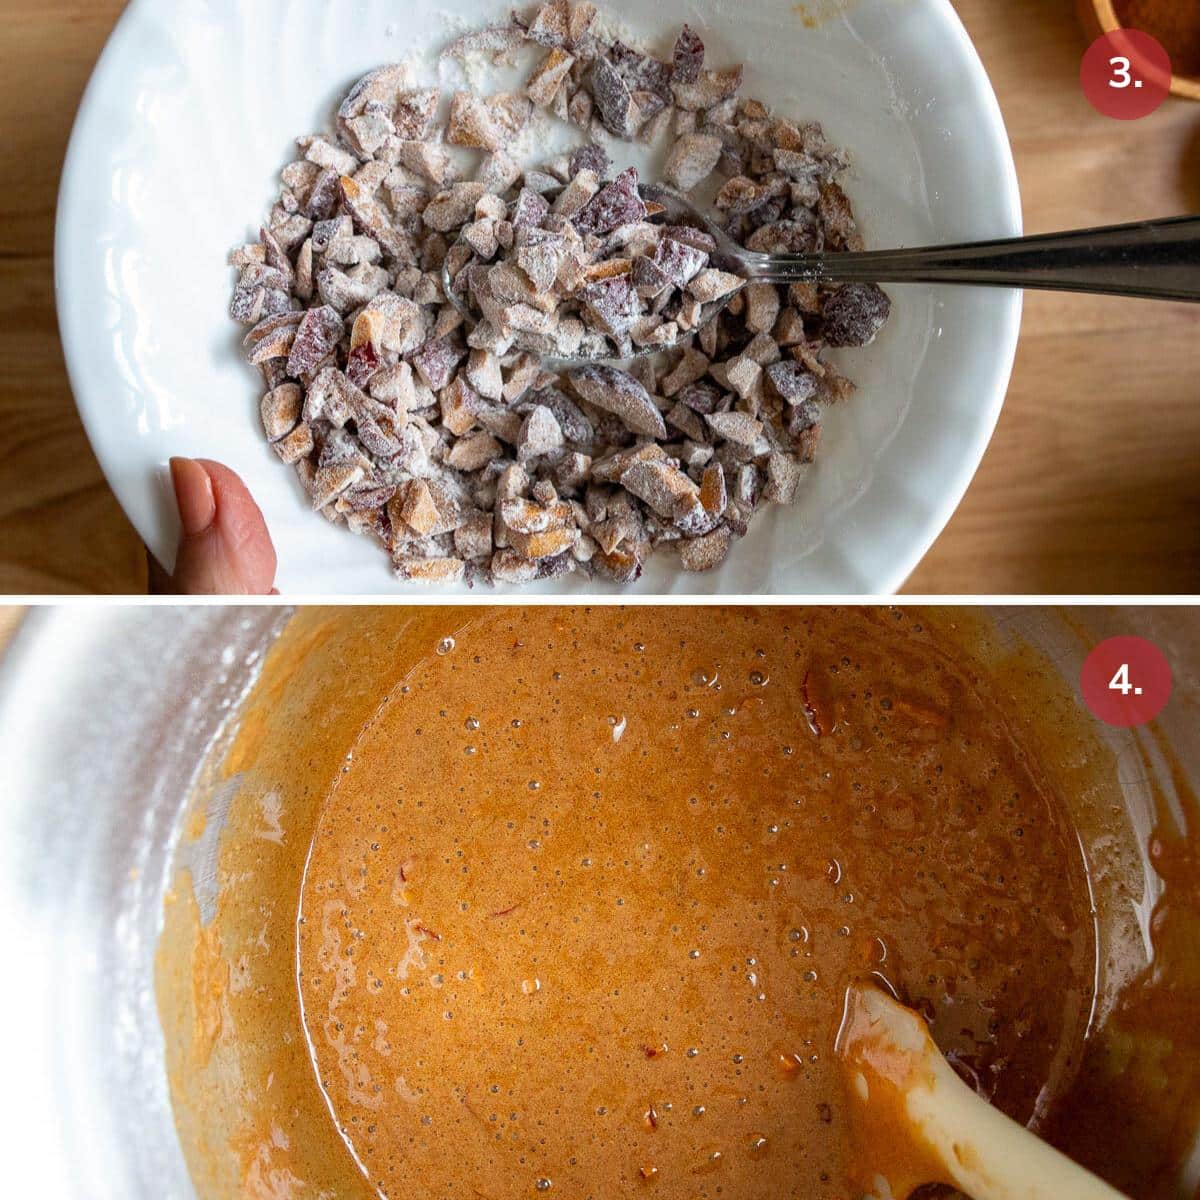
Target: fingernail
[[193, 495]]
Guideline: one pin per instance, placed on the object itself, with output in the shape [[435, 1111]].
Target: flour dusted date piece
[[854, 314], [688, 58], [621, 394], [616, 204]]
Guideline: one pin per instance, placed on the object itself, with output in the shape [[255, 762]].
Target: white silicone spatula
[[931, 1127]]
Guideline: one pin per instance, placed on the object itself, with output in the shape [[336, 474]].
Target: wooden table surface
[[1091, 483]]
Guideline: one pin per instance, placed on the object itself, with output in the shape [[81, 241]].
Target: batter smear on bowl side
[[457, 443]]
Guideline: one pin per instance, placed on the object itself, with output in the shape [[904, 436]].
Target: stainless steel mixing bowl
[[105, 719]]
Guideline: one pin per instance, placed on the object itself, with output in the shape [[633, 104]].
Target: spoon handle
[[1159, 260]]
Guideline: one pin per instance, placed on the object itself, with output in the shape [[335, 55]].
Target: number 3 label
[[1125, 74], [1126, 681]]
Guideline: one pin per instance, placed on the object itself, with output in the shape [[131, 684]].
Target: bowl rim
[[73, 188], [1007, 335]]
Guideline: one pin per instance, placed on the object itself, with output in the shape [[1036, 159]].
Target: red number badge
[[1126, 74], [1126, 681]]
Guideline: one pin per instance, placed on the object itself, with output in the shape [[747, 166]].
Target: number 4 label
[[1120, 682], [1125, 681]]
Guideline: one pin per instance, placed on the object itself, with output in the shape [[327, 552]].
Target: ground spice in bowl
[[1175, 23]]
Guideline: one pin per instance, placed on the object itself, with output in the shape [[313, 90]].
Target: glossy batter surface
[[582, 906]]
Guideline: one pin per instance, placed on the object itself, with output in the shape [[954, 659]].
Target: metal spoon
[[1155, 260]]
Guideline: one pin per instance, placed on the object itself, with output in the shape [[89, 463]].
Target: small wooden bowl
[[1099, 16]]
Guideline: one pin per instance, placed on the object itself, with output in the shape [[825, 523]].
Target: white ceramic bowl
[[189, 118]]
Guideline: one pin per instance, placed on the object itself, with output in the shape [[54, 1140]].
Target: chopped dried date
[[366, 497], [377, 431], [792, 381], [550, 25], [648, 277], [705, 553], [325, 232], [802, 234], [612, 303], [549, 79], [558, 565], [699, 239], [590, 158], [529, 208], [575, 426], [362, 364], [679, 261], [540, 434], [692, 159], [436, 361], [641, 72], [617, 203], [316, 338], [737, 427], [701, 397], [539, 257], [854, 314], [612, 97], [663, 487], [708, 89], [711, 284], [688, 57], [323, 200], [617, 392], [497, 41], [834, 210], [280, 410], [271, 325], [783, 478], [415, 113]]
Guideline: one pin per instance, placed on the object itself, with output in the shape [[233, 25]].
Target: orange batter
[[584, 899]]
